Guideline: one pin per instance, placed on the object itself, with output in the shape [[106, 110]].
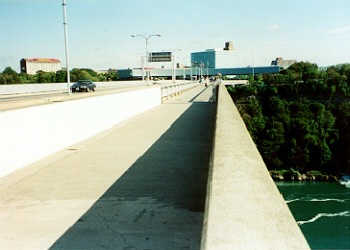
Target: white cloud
[[340, 30], [273, 27]]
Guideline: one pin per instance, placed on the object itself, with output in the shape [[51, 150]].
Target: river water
[[322, 211]]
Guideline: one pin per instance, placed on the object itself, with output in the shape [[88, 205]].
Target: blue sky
[[99, 30]]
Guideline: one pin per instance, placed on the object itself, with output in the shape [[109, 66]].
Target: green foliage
[[342, 153], [82, 74], [111, 76], [9, 71], [46, 77], [9, 76], [300, 118], [61, 76]]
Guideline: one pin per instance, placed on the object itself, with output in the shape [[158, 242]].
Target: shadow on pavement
[[158, 203], [193, 99]]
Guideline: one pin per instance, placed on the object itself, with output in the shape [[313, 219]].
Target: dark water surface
[[322, 211]]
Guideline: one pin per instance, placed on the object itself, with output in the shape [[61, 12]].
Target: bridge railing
[[29, 88], [176, 88], [15, 89], [244, 209]]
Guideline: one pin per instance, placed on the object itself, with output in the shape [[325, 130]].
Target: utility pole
[[146, 60], [174, 69], [66, 42], [143, 68], [207, 68]]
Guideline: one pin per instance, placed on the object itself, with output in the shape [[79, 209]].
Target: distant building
[[206, 59], [282, 63], [33, 65], [224, 61]]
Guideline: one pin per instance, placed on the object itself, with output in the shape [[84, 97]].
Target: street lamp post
[[207, 68], [197, 70], [174, 69], [184, 68], [146, 37], [174, 51], [64, 4], [194, 65], [143, 67]]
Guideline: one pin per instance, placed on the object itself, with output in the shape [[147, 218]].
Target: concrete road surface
[[139, 185], [10, 102]]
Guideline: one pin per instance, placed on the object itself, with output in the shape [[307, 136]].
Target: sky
[[99, 31]]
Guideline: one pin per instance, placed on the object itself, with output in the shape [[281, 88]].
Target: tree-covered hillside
[[300, 118], [9, 76]]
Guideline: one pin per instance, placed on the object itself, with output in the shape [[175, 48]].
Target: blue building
[[206, 59]]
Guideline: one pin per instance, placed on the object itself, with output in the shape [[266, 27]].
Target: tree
[[342, 154], [9, 71], [46, 77], [300, 117], [61, 76], [83, 74], [2, 79], [9, 76]]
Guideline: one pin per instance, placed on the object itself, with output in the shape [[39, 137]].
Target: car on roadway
[[83, 86]]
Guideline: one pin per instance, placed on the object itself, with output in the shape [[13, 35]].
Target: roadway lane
[[139, 185], [16, 101], [9, 102], [20, 97]]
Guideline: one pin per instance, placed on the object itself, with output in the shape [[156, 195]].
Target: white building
[[33, 65]]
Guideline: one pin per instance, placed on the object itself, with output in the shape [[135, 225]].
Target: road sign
[[159, 57]]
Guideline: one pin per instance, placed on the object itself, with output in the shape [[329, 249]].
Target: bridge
[[153, 167], [186, 73]]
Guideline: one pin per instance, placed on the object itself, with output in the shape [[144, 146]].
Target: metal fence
[[175, 88]]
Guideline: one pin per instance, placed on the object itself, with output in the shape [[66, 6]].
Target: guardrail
[[174, 89], [15, 89]]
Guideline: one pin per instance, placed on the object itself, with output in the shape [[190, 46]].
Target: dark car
[[83, 86]]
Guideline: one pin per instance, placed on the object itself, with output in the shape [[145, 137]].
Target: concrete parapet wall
[[30, 134], [12, 89], [234, 82], [244, 209]]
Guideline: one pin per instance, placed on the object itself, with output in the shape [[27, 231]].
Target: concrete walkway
[[140, 185]]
